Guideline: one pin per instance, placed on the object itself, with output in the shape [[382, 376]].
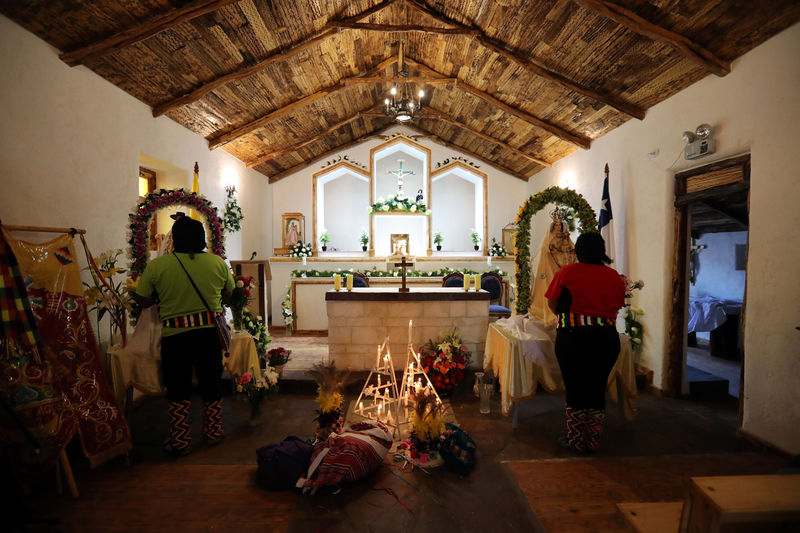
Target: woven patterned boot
[[574, 437], [212, 423], [593, 428], [180, 434]]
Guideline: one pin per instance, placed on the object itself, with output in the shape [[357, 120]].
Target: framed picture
[[509, 236], [400, 244], [292, 229]]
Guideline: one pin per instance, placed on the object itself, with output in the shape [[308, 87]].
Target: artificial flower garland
[[522, 251], [255, 326], [139, 223], [398, 202], [375, 273], [300, 249]]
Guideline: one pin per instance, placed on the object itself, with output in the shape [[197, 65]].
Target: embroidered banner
[[66, 390]]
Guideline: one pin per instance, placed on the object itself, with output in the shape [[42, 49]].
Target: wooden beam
[[271, 59], [304, 164], [399, 79], [142, 31], [562, 134], [676, 334], [405, 28], [537, 69], [219, 140], [429, 114], [302, 144], [713, 192], [726, 212], [438, 140], [637, 24]]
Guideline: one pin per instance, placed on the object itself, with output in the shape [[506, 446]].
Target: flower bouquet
[[300, 249], [240, 297], [286, 310], [399, 202], [256, 327], [109, 296], [444, 360], [256, 386], [330, 382], [277, 358], [421, 448], [497, 250]]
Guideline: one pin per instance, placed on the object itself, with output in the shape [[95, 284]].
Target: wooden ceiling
[[518, 84]]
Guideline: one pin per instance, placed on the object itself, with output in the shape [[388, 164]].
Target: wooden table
[[519, 375]]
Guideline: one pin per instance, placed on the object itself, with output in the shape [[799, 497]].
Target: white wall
[[71, 147], [718, 276], [753, 109]]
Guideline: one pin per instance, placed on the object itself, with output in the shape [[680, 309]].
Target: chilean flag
[[606, 220]]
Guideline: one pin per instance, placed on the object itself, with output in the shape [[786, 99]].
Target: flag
[[606, 220], [195, 188]]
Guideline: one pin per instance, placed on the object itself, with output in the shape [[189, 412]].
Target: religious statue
[[400, 175], [419, 195], [293, 233], [555, 251]]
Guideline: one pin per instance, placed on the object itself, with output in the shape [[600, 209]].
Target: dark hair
[[188, 235], [591, 248]]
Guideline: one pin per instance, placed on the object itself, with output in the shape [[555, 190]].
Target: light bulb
[[386, 101], [394, 90], [421, 94]]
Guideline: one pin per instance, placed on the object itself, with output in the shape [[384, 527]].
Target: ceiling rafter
[[247, 71], [577, 140], [430, 114], [405, 28], [302, 144], [142, 31], [535, 68], [712, 204], [219, 140], [637, 24], [438, 140]]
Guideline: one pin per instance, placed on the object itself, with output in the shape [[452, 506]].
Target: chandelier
[[402, 106]]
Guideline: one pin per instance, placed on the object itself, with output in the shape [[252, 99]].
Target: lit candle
[[349, 282], [378, 358], [409, 332], [337, 282], [379, 382], [466, 282], [360, 407]]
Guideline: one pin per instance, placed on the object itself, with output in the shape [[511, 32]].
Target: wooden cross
[[403, 264]]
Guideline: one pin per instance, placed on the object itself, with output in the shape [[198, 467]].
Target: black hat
[[188, 235]]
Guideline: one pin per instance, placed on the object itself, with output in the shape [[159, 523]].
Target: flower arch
[[522, 252], [139, 222]]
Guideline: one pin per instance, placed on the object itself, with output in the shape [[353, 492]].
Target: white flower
[[428, 212], [384, 207], [413, 208], [380, 199], [369, 209]]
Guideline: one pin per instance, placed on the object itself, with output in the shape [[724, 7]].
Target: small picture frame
[[292, 229], [400, 244], [509, 238]]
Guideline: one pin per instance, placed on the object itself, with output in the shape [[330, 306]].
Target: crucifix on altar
[[400, 173], [403, 264]]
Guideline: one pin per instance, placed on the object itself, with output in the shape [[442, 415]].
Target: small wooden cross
[[403, 264]]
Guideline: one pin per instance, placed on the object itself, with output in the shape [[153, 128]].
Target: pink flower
[[244, 378]]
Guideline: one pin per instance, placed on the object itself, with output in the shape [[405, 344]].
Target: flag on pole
[[606, 220], [195, 188]]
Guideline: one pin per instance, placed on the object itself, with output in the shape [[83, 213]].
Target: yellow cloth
[[555, 251], [143, 373], [519, 375], [195, 188]]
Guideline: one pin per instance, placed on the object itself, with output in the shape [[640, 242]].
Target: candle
[[360, 407], [489, 261], [349, 282], [466, 282], [304, 260], [409, 332], [477, 282], [378, 358], [337, 282]]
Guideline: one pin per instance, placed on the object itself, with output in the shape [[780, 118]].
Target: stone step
[[704, 385]]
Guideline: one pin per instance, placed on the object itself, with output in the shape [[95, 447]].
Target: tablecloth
[[522, 365], [143, 372]]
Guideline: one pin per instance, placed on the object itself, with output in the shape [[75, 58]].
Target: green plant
[[633, 327], [286, 308], [324, 238], [108, 296], [437, 238], [364, 238], [474, 236]]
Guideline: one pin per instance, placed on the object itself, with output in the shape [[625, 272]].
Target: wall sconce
[[700, 143]]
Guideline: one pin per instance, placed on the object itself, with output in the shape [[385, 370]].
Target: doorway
[[708, 279]]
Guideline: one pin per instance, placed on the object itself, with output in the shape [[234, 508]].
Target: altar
[[360, 320]]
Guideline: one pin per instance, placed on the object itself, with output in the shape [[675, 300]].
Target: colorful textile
[[65, 391], [180, 432], [212, 421], [189, 321], [349, 456], [17, 325], [569, 320]]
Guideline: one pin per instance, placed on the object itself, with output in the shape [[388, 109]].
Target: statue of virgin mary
[[555, 251]]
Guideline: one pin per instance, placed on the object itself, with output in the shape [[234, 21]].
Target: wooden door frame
[[677, 331]]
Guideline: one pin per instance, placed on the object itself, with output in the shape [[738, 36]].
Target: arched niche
[[341, 194], [460, 203], [384, 163]]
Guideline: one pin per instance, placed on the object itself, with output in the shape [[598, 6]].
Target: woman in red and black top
[[585, 297]]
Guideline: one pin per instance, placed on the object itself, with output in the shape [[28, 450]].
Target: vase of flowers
[[421, 448], [633, 326], [444, 360], [300, 249], [497, 249], [256, 386], [438, 240], [364, 239], [287, 311], [240, 297], [277, 359], [110, 297], [476, 239], [324, 239]]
